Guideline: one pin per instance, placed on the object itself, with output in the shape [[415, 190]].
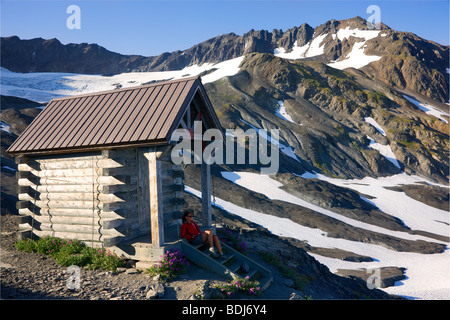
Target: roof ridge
[[153, 84]]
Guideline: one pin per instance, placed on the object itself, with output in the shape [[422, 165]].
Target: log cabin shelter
[[97, 168]]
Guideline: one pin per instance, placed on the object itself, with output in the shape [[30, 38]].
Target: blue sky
[[152, 27]]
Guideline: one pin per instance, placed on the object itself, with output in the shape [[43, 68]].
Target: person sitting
[[191, 231]]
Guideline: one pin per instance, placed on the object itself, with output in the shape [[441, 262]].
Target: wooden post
[[206, 194], [156, 201], [143, 190]]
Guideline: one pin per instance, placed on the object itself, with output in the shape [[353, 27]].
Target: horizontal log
[[69, 157], [76, 164], [22, 159], [25, 226], [91, 173], [128, 153], [80, 196], [70, 212], [25, 175], [130, 187], [57, 204], [28, 163], [22, 218], [95, 230], [118, 180], [24, 234], [84, 221], [130, 206], [25, 189], [24, 204], [77, 188], [61, 173], [119, 171], [125, 179], [83, 237]]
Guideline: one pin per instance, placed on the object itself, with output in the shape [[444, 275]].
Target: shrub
[[48, 246], [235, 241], [102, 259], [26, 245], [171, 264], [72, 252], [240, 285]]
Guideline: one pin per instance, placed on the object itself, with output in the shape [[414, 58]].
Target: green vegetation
[[239, 285], [72, 252], [375, 96], [172, 263], [233, 240]]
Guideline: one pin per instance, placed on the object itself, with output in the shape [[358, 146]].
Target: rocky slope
[[329, 107]]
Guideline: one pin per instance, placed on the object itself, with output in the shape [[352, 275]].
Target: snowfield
[[44, 86], [428, 275], [356, 58], [428, 109]]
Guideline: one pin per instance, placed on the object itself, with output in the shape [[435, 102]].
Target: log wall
[[94, 197]]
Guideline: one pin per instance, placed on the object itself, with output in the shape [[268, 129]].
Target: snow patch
[[375, 124], [428, 109], [385, 151], [316, 48], [311, 49], [224, 69], [287, 150], [365, 34], [282, 113], [5, 127], [296, 53], [356, 58]]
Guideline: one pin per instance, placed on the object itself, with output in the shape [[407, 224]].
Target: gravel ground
[[30, 276], [33, 276]]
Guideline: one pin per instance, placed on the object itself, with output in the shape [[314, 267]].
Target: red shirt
[[190, 230]]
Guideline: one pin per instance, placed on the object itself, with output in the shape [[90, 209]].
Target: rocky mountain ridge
[[407, 61], [329, 109]]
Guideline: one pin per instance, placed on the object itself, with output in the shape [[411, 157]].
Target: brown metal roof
[[144, 115]]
